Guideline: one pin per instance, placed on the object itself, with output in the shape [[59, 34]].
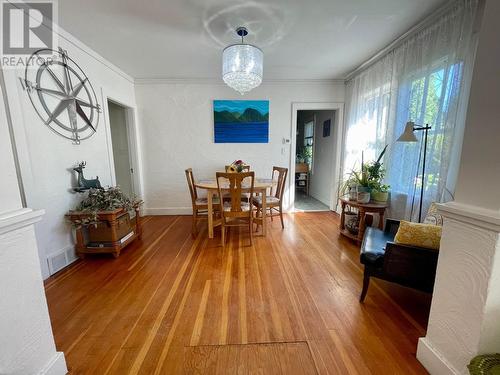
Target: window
[[425, 98]]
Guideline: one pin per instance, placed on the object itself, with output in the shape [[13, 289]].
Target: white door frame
[[133, 142], [338, 132]]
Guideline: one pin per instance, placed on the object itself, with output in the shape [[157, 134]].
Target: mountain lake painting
[[241, 121]]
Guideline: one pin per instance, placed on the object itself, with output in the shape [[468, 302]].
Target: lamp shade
[[242, 66], [408, 135]]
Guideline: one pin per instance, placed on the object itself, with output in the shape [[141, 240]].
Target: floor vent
[[58, 261]]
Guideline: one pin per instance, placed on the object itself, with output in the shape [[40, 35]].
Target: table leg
[[210, 214], [264, 212], [361, 229], [342, 217], [381, 220]]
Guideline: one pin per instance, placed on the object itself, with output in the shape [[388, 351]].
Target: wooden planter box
[[115, 230]]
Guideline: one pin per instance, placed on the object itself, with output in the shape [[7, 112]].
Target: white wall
[[483, 109], [324, 154], [26, 341], [465, 310], [46, 158], [177, 133]]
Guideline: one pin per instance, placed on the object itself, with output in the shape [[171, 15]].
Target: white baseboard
[[56, 366], [432, 360], [184, 211], [168, 211]]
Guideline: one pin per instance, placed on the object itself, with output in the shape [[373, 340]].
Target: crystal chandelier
[[242, 65]]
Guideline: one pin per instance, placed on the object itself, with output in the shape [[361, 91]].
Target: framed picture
[[326, 128], [241, 121]]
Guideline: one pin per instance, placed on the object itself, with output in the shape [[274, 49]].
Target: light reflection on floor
[[306, 203]]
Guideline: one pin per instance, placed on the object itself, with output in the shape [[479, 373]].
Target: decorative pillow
[[433, 216], [416, 234]]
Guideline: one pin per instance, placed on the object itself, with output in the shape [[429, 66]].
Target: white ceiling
[[315, 39]]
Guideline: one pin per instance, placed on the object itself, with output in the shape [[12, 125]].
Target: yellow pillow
[[416, 234]]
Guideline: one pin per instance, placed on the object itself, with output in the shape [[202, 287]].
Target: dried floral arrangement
[[108, 199]]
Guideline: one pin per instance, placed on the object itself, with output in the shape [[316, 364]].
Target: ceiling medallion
[[242, 65], [62, 95]]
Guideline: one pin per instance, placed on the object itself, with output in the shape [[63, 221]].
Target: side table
[[363, 209]]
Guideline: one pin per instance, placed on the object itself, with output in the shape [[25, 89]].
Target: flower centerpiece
[[237, 166]]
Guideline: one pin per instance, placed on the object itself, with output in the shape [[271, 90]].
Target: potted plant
[[105, 222], [349, 188], [351, 222], [368, 177], [380, 193], [102, 200], [363, 186]]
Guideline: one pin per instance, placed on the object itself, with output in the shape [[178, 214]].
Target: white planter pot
[[363, 197]]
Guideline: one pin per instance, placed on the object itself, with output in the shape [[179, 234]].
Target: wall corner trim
[[18, 219], [56, 366], [432, 360], [474, 215]]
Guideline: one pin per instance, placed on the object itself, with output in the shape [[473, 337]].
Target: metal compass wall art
[[62, 95]]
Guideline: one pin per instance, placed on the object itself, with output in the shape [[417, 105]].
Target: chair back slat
[[281, 179], [235, 184], [192, 188]]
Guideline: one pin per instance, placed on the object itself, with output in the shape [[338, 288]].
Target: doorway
[[315, 150], [120, 140]]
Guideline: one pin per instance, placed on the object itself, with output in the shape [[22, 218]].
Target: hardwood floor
[[173, 304]]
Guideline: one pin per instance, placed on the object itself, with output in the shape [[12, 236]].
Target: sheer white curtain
[[425, 79]]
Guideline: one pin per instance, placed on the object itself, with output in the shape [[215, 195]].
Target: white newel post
[[465, 313], [26, 340]]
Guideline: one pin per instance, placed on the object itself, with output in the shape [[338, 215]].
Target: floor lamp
[[409, 136]]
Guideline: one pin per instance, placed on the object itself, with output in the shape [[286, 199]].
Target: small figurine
[[83, 183]]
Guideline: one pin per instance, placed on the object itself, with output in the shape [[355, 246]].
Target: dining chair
[[200, 205], [274, 202], [244, 196], [235, 212]]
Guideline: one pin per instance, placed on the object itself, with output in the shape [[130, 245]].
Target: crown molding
[[218, 81], [70, 38], [89, 51]]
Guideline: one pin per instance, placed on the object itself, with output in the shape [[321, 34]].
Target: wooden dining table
[[260, 187]]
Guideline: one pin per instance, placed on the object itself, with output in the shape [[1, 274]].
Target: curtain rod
[[433, 16]]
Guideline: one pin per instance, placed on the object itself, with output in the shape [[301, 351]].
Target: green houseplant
[[368, 180], [380, 193], [348, 187], [105, 221]]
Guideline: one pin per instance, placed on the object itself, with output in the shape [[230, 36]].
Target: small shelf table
[[111, 219], [363, 209], [302, 170]]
